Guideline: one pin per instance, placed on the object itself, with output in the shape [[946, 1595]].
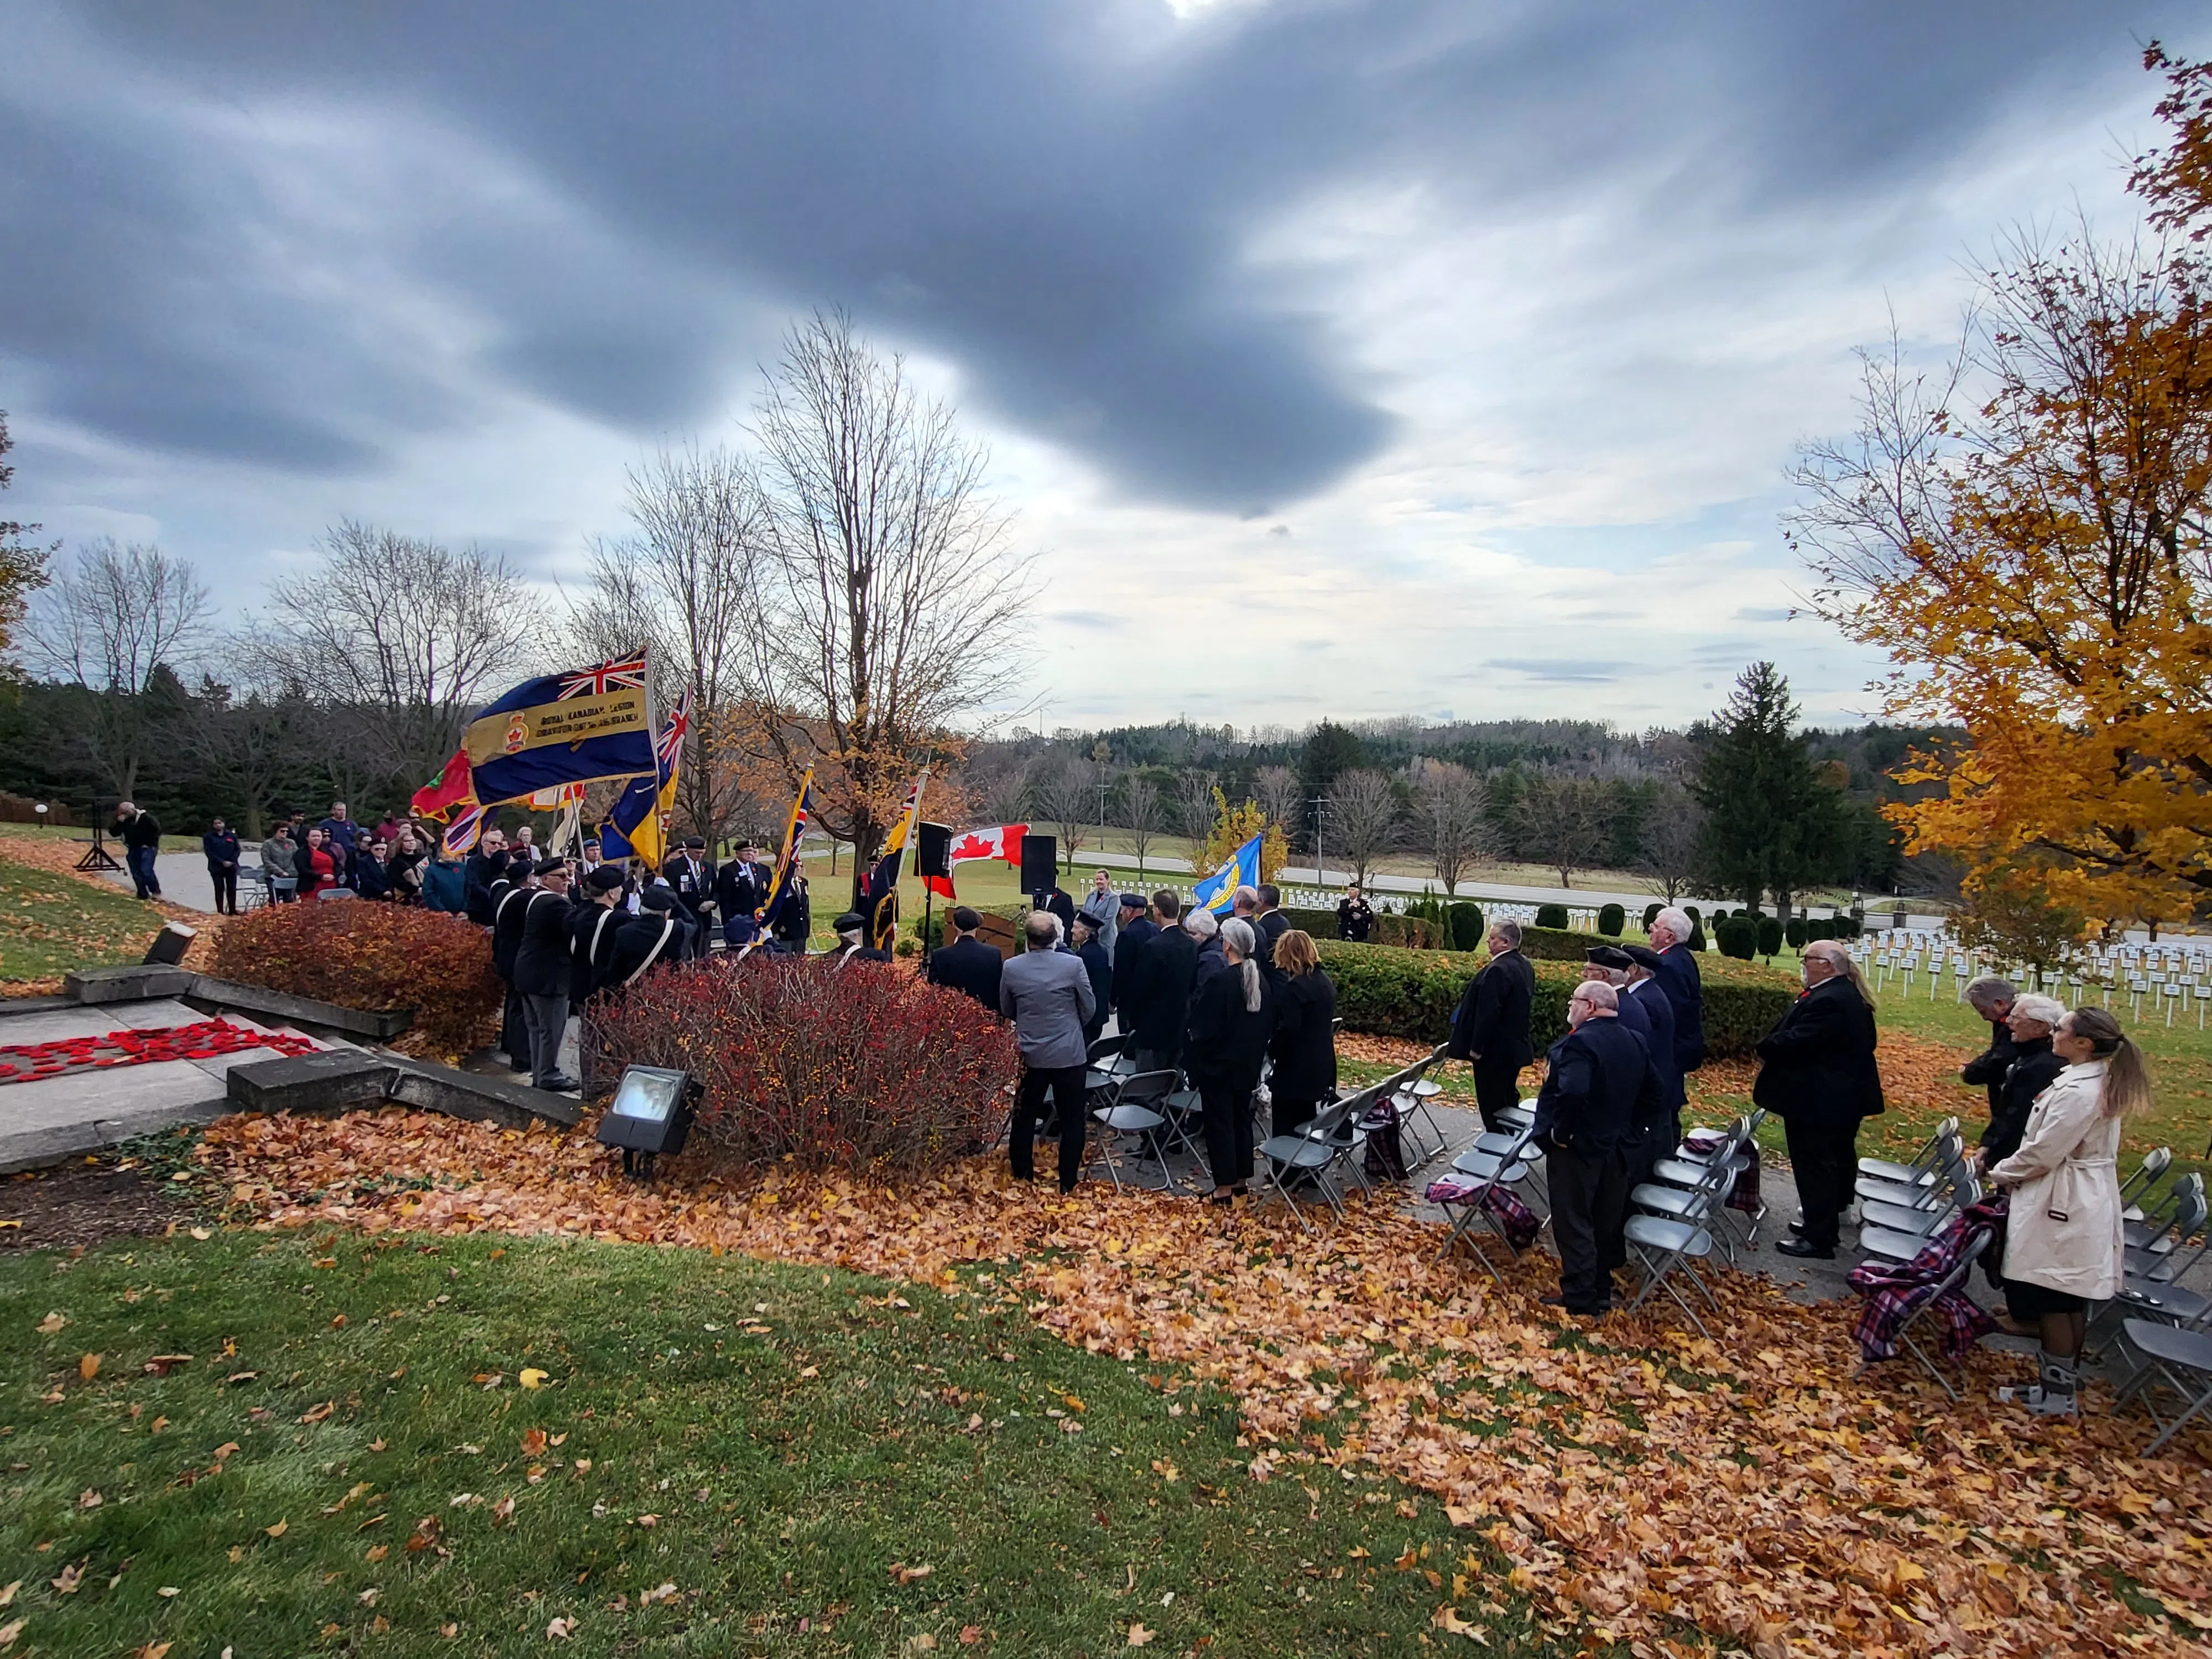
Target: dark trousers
[[1292, 1115], [225, 887], [1589, 1204], [547, 1018], [1065, 1085], [515, 1030], [140, 860], [1824, 1157], [1154, 1060], [1227, 1109], [1497, 1087]]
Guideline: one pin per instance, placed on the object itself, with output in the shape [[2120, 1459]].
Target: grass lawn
[[347, 1462], [49, 923]]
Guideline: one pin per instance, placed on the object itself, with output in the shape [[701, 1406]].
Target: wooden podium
[[1005, 936]]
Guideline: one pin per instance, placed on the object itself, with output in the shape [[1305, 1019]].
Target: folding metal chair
[[1494, 1172], [1661, 1244], [1952, 1281], [1415, 1121], [1880, 1190], [1692, 1169], [1135, 1106], [2154, 1233], [2169, 1358], [1894, 1233], [1309, 1154], [1696, 1198], [2155, 1164], [1923, 1162]]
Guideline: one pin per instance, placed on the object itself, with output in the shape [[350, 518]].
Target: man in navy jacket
[[965, 963], [1671, 930], [1817, 1073], [1597, 1080], [1490, 1029]]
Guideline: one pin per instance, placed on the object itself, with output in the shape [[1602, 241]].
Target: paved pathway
[[183, 877]]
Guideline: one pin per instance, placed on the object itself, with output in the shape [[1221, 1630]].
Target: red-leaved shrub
[[861, 1069], [359, 954]]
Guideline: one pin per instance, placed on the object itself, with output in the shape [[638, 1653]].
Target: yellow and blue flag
[[635, 822], [575, 727], [1219, 890], [794, 832]]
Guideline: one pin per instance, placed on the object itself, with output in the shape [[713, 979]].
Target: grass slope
[[50, 923], [814, 1465]]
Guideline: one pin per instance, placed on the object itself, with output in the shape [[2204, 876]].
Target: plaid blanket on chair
[[1894, 1292], [1745, 1194], [1515, 1218]]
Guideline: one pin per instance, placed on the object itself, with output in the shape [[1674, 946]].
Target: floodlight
[[651, 1113]]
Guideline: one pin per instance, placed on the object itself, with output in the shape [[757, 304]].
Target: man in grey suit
[[1047, 993]]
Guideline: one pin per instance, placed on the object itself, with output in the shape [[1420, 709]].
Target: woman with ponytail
[[2062, 1240], [1231, 1019]]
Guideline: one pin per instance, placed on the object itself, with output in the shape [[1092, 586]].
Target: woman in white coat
[[2062, 1244]]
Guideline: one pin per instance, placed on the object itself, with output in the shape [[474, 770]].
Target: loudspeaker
[[170, 944], [1040, 864], [930, 855]]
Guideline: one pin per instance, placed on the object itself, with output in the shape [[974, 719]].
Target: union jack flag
[[670, 744], [627, 672]]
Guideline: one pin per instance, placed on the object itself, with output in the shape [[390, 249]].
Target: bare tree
[[999, 778], [1671, 838], [1364, 813], [684, 585], [1194, 809], [1282, 798], [115, 613], [1062, 790], [1450, 808], [405, 637], [1564, 820], [888, 602], [1143, 812], [22, 566], [246, 749], [108, 621]]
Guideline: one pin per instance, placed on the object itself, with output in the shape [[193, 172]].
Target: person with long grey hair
[[1231, 1016]]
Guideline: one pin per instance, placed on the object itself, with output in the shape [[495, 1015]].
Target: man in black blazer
[[691, 877], [1817, 1073], [1671, 932], [544, 972], [965, 963], [1490, 1030], [1137, 925], [1271, 923], [1597, 1080], [740, 888], [1992, 999], [1156, 1002]]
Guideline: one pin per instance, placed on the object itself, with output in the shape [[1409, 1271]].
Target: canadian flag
[[1002, 842]]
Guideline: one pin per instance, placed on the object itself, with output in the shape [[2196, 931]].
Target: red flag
[[454, 786], [1001, 842]]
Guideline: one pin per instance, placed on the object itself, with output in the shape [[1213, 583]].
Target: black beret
[[695, 841], [851, 922], [1133, 901], [966, 919], [657, 898], [607, 879], [1609, 956]]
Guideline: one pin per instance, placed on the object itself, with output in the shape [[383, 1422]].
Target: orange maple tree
[[2025, 536]]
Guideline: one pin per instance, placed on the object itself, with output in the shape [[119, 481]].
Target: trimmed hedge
[[1612, 920], [1406, 933], [1411, 993], [1738, 937], [1552, 916], [1466, 927]]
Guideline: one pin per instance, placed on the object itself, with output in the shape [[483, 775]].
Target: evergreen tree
[[1773, 824]]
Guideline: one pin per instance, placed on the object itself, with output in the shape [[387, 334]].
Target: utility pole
[[1320, 804]]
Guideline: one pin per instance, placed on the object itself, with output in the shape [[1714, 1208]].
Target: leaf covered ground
[[322, 1442], [1630, 1478]]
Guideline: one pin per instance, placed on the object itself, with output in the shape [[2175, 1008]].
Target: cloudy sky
[[1338, 358]]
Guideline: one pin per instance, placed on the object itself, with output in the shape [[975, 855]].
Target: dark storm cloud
[[1058, 199]]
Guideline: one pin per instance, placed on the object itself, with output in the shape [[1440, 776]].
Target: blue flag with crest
[[1219, 890]]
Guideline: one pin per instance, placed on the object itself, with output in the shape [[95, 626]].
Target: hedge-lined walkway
[[1628, 1479]]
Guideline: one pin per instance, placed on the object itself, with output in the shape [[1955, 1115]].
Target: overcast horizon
[[1339, 360]]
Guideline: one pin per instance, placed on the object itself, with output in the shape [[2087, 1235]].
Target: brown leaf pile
[[1637, 1481]]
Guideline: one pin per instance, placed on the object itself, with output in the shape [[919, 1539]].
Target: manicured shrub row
[[1407, 932], [376, 957], [1412, 993], [867, 1069]]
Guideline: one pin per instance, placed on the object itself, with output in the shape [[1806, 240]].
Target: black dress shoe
[[1804, 1249], [560, 1084]]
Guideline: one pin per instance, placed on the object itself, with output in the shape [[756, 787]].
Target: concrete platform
[[56, 1118]]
